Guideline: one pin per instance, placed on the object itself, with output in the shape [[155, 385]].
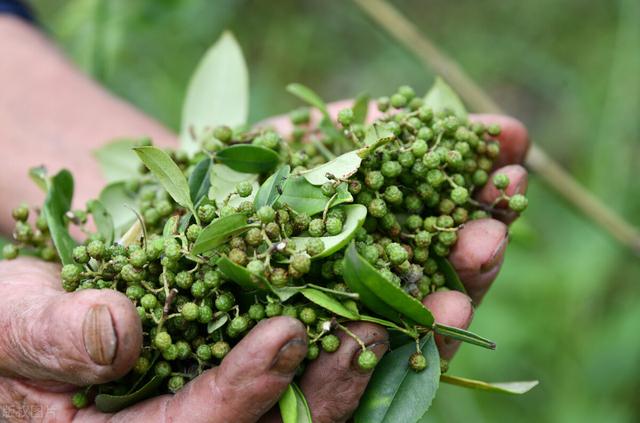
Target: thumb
[[81, 338]]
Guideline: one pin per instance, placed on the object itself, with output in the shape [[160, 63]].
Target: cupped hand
[[54, 341]]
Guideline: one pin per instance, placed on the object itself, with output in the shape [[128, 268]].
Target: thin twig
[[537, 160]]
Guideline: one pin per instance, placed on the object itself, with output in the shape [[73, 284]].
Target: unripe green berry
[[162, 369], [10, 252], [312, 352], [206, 213], [391, 169], [316, 228], [138, 258], [518, 203], [328, 189], [266, 214], [377, 208], [237, 326], [419, 148], [244, 188], [149, 301], [308, 315], [193, 231], [407, 92], [80, 400], [225, 301], [175, 383], [396, 253], [417, 362], [383, 104], [301, 263], [220, 349], [162, 341], [96, 249], [367, 360], [223, 133], [374, 180], [333, 226], [500, 180], [238, 256], [273, 309], [184, 279], [330, 343], [398, 101], [459, 195], [189, 311], [204, 352], [345, 117], [393, 195], [21, 213], [142, 365], [256, 312], [279, 277], [316, 246]]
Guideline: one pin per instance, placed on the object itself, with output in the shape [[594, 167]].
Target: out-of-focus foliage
[[566, 307]]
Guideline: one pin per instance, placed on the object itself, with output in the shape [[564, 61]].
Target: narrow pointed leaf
[[112, 403], [117, 160], [452, 280], [398, 394], [216, 324], [514, 388], [199, 181], [442, 97], [57, 203], [218, 231], [304, 197], [307, 95], [464, 336], [119, 203], [342, 167], [377, 133], [248, 158], [241, 275], [102, 219], [269, 191], [388, 293], [293, 406], [38, 175], [218, 93], [168, 173], [361, 108], [328, 302]]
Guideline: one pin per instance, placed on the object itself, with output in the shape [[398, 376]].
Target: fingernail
[[290, 356], [100, 339], [496, 257]]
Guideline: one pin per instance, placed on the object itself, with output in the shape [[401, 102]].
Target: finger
[[244, 387], [334, 383], [451, 308], [518, 182], [81, 338], [513, 138], [478, 255]]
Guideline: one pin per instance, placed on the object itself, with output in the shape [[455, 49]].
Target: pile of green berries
[[417, 187]]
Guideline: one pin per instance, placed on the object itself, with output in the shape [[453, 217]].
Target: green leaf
[[214, 325], [199, 180], [117, 160], [117, 201], [171, 226], [241, 275], [102, 220], [464, 336], [514, 388], [218, 231], [168, 173], [451, 276], [361, 108], [342, 167], [38, 175], [328, 302], [398, 394], [269, 191], [442, 97], [303, 197], [356, 213], [376, 133], [286, 292], [365, 279], [57, 203], [218, 93], [248, 158], [293, 406], [112, 403], [307, 95], [224, 181]]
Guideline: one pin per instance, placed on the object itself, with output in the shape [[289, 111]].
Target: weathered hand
[[333, 384]]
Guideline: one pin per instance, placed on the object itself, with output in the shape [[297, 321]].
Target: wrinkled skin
[[54, 340]]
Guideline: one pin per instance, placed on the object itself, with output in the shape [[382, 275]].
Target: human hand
[[55, 340]]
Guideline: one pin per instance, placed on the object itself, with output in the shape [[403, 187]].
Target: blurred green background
[[565, 307]]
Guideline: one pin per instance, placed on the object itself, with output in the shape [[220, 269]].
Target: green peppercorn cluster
[[417, 187]]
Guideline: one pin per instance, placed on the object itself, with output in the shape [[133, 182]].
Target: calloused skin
[[54, 341]]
